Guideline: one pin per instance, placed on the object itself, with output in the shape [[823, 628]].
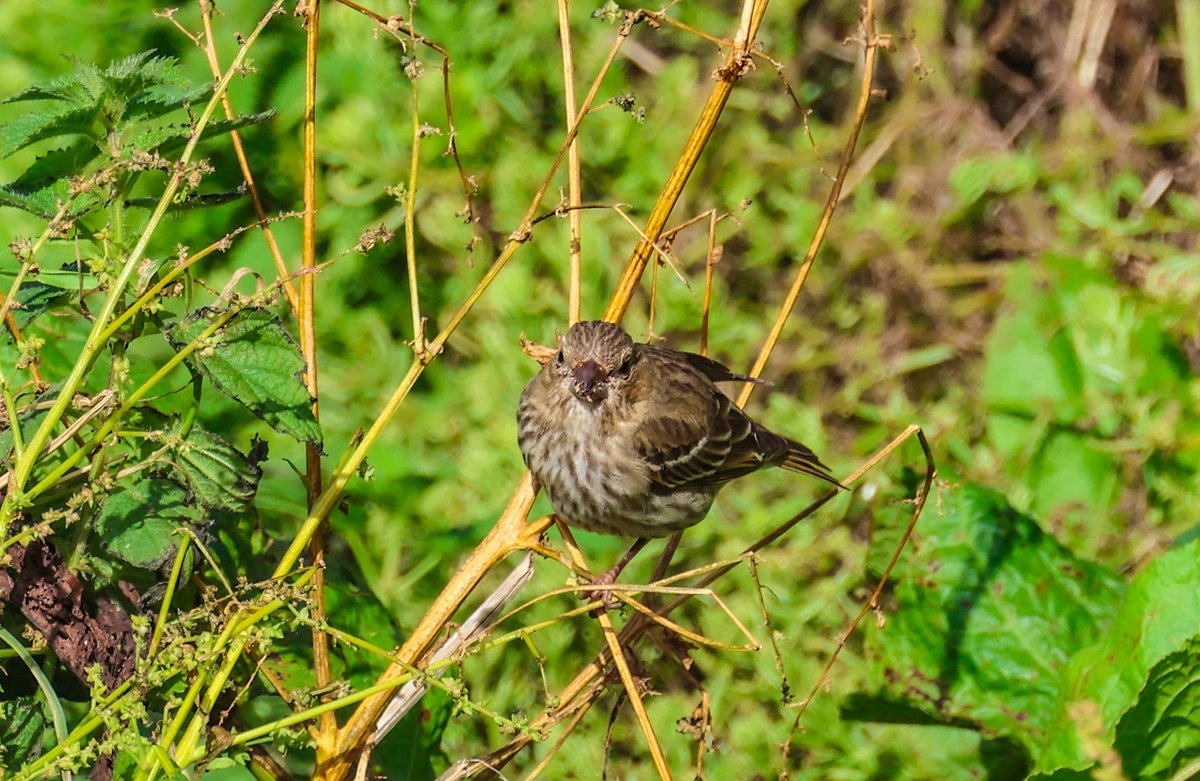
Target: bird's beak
[[589, 375]]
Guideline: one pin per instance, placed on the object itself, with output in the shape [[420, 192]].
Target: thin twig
[[574, 178], [326, 728], [239, 150]]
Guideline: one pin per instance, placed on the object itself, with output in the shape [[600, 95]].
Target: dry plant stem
[[872, 603], [326, 728], [621, 663], [506, 535], [709, 261], [727, 75], [94, 344], [510, 532], [585, 689], [210, 50], [410, 200], [574, 178], [395, 25], [860, 112]]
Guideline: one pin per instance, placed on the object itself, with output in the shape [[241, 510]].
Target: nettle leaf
[[167, 139], [991, 609], [25, 729], [56, 165], [39, 125], [1141, 680], [34, 298], [253, 360], [137, 522], [75, 89], [141, 71], [216, 473], [163, 99]]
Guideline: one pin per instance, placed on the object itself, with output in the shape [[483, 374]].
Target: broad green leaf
[[254, 361], [39, 125], [55, 165], [35, 298], [75, 89], [989, 611], [138, 521], [159, 100], [1161, 733], [216, 474], [25, 729], [167, 139], [1127, 676]]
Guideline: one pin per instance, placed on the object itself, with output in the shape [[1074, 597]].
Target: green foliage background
[[1013, 267]]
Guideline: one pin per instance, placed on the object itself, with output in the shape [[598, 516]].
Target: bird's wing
[[693, 434], [684, 444]]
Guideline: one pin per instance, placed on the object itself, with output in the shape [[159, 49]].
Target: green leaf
[[163, 99], [224, 769], [1161, 733], [37, 126], [254, 361], [1029, 363], [1134, 677], [35, 298], [56, 165], [216, 474], [137, 522], [78, 89], [990, 612], [25, 729], [167, 139]]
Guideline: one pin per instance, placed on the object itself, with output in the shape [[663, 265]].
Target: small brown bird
[[636, 440]]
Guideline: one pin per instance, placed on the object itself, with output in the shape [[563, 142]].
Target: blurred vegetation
[[1013, 267]]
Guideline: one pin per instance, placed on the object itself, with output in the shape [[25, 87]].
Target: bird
[[636, 440]]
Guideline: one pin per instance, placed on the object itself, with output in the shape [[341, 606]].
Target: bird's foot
[[604, 595]]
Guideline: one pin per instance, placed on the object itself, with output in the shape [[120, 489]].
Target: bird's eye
[[559, 358], [626, 365]]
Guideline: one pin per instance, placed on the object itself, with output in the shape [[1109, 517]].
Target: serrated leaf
[[163, 99], [1159, 617], [137, 522], [37, 126], [75, 89], [140, 71], [216, 474], [166, 139], [25, 729], [34, 299], [1161, 733], [56, 165], [990, 612], [254, 361], [46, 202]]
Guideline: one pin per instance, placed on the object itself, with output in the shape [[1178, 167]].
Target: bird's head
[[594, 358]]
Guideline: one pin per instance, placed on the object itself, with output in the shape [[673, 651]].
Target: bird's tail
[[801, 459]]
